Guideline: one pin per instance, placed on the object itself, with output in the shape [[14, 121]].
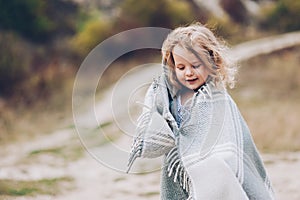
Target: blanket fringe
[[136, 151], [175, 167], [190, 198]]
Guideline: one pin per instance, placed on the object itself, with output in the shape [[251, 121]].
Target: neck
[[186, 95]]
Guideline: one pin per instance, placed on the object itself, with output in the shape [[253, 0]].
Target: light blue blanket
[[211, 155]]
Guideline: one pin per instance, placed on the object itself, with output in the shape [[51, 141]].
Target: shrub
[[15, 62], [38, 20], [93, 32], [236, 10], [25, 17], [282, 16], [158, 13], [224, 28]]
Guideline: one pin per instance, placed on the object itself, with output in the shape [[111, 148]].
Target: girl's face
[[189, 70]]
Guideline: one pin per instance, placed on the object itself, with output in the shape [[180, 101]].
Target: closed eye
[[180, 67], [197, 66]]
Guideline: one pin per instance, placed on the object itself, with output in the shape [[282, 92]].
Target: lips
[[191, 81]]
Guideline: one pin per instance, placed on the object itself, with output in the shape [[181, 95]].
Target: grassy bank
[[10, 188], [21, 121], [267, 93]]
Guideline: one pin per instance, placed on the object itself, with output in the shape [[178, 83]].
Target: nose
[[189, 71]]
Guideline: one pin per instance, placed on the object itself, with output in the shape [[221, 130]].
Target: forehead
[[180, 54]]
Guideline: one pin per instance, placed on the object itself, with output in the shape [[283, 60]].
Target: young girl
[[191, 120]]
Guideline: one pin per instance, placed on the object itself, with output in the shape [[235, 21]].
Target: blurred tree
[[236, 10], [92, 33], [133, 13], [63, 14], [201, 13], [15, 59], [25, 17], [37, 20], [29, 31], [158, 13], [283, 16]]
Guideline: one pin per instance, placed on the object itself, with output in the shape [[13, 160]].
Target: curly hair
[[213, 53]]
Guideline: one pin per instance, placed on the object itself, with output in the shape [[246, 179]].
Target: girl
[[190, 119]]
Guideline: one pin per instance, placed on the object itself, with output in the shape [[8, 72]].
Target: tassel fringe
[[175, 168], [135, 152]]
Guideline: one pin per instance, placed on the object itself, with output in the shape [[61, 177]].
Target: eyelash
[[194, 66]]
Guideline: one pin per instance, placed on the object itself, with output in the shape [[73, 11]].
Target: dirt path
[[93, 180]]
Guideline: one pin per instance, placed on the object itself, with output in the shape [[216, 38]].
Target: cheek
[[203, 72], [178, 73]]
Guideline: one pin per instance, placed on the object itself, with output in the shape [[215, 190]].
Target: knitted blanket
[[211, 155]]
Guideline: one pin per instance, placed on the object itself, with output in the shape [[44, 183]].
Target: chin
[[192, 88], [195, 87]]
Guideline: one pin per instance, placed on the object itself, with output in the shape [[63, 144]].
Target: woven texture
[[210, 154]]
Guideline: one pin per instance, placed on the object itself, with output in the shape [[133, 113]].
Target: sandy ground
[[93, 179]]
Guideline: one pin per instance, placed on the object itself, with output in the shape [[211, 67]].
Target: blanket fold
[[211, 154]]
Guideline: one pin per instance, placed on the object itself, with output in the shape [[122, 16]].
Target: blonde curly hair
[[213, 54]]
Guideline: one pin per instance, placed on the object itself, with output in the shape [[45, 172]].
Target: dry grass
[[268, 93], [21, 121], [32, 188]]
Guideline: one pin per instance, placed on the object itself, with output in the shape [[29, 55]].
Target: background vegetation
[[43, 42], [267, 94]]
